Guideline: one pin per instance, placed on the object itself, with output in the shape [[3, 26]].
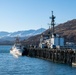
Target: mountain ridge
[[7, 38], [21, 33], [66, 30]]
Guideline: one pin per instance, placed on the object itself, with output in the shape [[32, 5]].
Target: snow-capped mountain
[[26, 33]]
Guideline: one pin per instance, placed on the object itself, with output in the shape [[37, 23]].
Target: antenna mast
[[52, 21]]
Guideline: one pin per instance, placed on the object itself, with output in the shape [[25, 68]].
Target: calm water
[[10, 65]]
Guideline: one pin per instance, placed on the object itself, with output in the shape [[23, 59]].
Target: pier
[[66, 56]]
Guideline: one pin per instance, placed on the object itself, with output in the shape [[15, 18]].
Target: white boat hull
[[73, 64], [15, 52]]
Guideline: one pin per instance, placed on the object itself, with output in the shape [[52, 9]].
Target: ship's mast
[[17, 40], [52, 22]]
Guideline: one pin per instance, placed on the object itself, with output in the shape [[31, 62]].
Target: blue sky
[[16, 15]]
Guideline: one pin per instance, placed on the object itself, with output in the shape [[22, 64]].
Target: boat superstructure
[[51, 40]]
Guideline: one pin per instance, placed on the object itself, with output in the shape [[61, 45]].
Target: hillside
[[66, 30]]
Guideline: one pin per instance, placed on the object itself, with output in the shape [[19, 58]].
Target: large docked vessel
[[17, 48]]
